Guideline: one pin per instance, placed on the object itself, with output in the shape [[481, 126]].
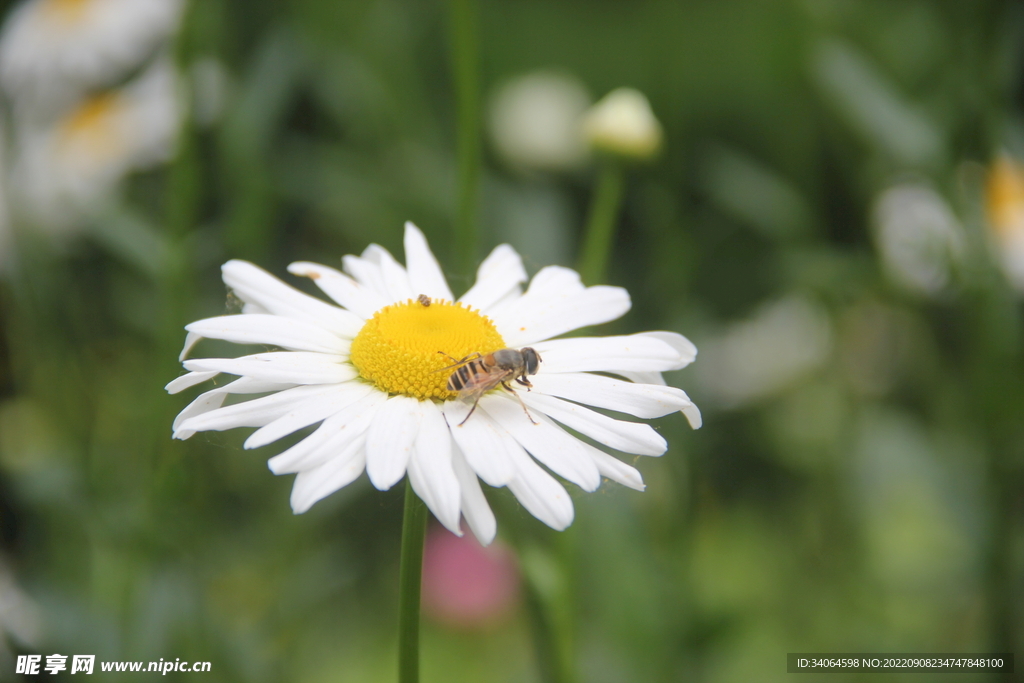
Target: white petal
[[213, 399], [204, 403], [389, 442], [632, 353], [367, 273], [288, 333], [424, 271], [643, 377], [363, 301], [330, 438], [430, 468], [481, 442], [553, 280], [691, 411], [500, 273], [616, 470], [686, 354], [313, 451], [628, 437], [683, 346], [189, 380], [642, 400], [256, 412], [191, 339], [296, 367], [320, 482], [545, 441], [540, 493], [252, 385], [256, 286], [556, 303], [250, 308], [475, 509], [396, 279], [308, 412], [693, 416], [501, 304]]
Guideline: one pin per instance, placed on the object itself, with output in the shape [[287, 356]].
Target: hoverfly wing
[[473, 357], [472, 381]]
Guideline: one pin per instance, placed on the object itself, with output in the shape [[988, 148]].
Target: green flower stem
[[466, 74], [600, 234], [414, 528]]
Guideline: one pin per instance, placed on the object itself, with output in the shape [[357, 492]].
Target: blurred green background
[[815, 223]]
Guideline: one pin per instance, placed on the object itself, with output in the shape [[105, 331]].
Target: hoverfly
[[477, 374]]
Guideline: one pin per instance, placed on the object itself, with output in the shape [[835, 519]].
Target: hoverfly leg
[[519, 398], [472, 356], [470, 411]]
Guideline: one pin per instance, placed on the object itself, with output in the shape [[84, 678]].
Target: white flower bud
[[623, 124]]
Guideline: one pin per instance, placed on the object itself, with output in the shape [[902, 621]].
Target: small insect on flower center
[[397, 349]]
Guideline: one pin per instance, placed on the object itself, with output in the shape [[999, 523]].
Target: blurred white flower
[[20, 622], [918, 237], [371, 373], [535, 122], [48, 47], [64, 168], [623, 124], [5, 216], [763, 355], [1005, 208]]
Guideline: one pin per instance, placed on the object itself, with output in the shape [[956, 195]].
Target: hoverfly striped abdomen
[[463, 376], [477, 374]]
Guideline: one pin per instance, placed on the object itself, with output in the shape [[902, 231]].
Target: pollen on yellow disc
[[398, 348]]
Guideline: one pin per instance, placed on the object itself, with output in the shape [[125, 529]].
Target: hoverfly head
[[531, 359]]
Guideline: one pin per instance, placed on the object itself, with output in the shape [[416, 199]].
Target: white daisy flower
[[369, 371], [535, 122], [5, 218], [919, 238], [63, 168], [81, 43]]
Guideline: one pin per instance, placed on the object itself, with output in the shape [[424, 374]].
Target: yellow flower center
[[1005, 200], [397, 349], [91, 129]]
